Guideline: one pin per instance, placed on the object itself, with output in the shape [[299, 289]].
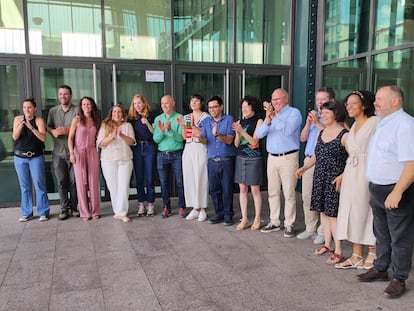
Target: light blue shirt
[[311, 141], [283, 132], [391, 146]]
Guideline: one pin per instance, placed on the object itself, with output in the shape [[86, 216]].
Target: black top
[[28, 140], [141, 130], [245, 149]]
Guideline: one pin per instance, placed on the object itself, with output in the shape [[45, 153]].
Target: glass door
[[105, 83], [230, 84], [12, 92], [121, 82]]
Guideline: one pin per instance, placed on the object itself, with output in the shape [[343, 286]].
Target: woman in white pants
[[115, 138]]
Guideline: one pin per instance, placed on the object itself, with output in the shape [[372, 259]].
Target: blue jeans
[[221, 179], [165, 162], [393, 230], [29, 169], [144, 162]]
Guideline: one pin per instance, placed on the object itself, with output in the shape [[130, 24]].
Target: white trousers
[[117, 175]]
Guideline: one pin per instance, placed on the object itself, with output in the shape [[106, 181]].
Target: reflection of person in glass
[[29, 135], [85, 158], [58, 123]]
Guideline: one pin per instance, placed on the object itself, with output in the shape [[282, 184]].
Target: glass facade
[[264, 32], [65, 28], [203, 31], [354, 57], [113, 49], [12, 27]]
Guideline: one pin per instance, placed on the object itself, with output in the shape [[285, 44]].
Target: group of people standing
[[356, 182]]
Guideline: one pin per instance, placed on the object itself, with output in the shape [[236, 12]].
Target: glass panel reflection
[[346, 28], [10, 106], [345, 77], [394, 23], [396, 68], [65, 28], [263, 32], [138, 30], [203, 30], [12, 27]]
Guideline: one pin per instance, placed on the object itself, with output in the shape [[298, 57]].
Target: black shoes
[[215, 220], [63, 215], [395, 289], [228, 221], [66, 213], [373, 275]]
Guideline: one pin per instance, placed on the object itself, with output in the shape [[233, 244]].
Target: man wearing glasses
[[218, 134], [282, 128]]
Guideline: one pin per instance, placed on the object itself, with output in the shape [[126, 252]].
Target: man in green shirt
[[167, 134]]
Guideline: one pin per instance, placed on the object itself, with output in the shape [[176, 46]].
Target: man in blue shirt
[[282, 128], [218, 134], [390, 172], [309, 135]]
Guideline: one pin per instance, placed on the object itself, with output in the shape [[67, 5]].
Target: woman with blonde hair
[[144, 152], [115, 138]]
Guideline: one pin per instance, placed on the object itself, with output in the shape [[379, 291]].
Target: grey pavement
[[172, 264]]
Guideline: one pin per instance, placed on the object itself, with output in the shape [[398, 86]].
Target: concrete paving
[[172, 264]]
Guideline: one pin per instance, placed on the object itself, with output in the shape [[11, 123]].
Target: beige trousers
[[311, 217], [281, 176]]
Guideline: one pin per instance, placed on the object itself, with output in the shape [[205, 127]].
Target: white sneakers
[[197, 214], [202, 216], [193, 214], [306, 235], [319, 239]]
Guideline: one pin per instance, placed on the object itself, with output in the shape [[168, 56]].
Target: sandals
[[150, 209], [323, 250], [256, 225], [369, 261], [122, 218], [358, 263], [244, 224], [334, 259], [141, 209]]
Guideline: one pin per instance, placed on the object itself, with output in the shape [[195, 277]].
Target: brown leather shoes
[[395, 289], [373, 275]]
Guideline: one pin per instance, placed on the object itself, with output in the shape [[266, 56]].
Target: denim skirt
[[248, 171]]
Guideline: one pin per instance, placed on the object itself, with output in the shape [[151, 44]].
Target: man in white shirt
[[390, 172]]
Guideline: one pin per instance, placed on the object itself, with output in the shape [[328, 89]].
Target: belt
[[145, 141], [308, 155], [283, 154], [170, 152], [26, 154], [218, 159]]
